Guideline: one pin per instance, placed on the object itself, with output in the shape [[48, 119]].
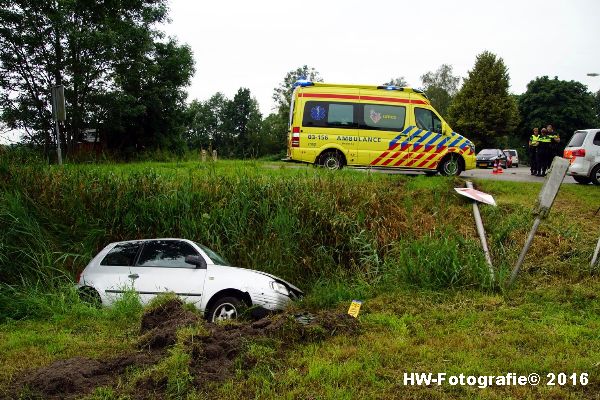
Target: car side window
[[122, 255], [427, 120], [166, 254], [597, 139]]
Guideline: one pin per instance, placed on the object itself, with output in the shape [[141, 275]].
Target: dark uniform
[[533, 145], [554, 144], [544, 153]]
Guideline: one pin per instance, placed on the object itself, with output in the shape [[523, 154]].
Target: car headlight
[[280, 288]]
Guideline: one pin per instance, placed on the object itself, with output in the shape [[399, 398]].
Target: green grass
[[407, 246]]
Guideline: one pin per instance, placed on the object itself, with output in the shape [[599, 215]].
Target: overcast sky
[[254, 44]]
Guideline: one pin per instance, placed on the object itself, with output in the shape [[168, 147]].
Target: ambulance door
[[383, 134], [329, 122], [431, 143]]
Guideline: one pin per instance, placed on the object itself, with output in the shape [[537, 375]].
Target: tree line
[[125, 81]]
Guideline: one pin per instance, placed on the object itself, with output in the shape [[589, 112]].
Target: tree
[[566, 105], [282, 94], [105, 53], [243, 122], [597, 104], [400, 82], [482, 109], [440, 86]]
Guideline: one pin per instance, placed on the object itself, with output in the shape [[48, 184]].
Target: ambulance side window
[[324, 114], [427, 120], [383, 117]]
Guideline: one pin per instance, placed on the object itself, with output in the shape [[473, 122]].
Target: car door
[[429, 140], [111, 278], [161, 268], [383, 137]]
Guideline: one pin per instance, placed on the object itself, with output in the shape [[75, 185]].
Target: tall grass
[[309, 226]]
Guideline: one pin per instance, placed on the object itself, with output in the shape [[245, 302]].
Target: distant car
[[583, 151], [192, 271], [513, 157], [487, 158]]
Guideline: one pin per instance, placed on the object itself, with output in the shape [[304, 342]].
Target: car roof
[[146, 240]]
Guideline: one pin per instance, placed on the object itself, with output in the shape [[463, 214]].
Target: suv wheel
[[595, 175]]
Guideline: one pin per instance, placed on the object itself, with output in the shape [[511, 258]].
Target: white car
[[514, 157], [192, 271], [583, 151]]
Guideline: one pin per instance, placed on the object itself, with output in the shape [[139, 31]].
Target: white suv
[[192, 271], [583, 151]]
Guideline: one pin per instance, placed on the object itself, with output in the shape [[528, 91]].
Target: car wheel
[[595, 175], [516, 165], [90, 295], [226, 308], [331, 160], [450, 166]]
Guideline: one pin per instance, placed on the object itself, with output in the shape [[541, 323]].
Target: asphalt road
[[521, 174]]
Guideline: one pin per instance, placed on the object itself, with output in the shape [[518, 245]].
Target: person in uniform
[[544, 155], [555, 142], [533, 145]]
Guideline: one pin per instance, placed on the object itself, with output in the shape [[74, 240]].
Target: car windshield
[[488, 152], [214, 257]]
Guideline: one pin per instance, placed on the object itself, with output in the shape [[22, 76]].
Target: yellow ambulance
[[334, 125]]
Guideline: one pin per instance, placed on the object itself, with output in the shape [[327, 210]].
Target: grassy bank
[[406, 245]]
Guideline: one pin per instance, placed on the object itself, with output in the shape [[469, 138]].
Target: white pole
[[595, 256], [481, 232]]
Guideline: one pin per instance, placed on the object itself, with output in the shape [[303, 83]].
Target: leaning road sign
[[545, 200], [476, 195]]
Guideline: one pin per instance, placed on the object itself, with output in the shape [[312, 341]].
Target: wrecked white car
[[194, 272]]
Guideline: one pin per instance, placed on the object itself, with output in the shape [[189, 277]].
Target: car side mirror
[[198, 261]]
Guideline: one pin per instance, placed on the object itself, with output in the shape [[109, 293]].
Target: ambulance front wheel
[[331, 160], [451, 165]]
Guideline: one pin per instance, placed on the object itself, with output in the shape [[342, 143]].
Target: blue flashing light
[[391, 88], [303, 83]]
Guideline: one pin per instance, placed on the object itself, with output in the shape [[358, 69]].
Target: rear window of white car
[[577, 139], [122, 255]]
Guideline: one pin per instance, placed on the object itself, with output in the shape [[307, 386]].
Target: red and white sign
[[477, 195]]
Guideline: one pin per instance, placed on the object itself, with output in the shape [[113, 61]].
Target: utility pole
[[59, 114]]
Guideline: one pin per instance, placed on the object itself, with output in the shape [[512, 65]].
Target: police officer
[[555, 142], [544, 154], [533, 145]]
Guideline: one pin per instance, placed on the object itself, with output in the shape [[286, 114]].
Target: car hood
[[291, 287]]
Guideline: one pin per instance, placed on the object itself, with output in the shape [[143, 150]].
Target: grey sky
[[254, 43]]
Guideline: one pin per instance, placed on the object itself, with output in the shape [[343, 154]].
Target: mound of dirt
[[159, 325], [73, 377], [213, 352]]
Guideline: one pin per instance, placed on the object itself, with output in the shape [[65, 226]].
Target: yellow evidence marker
[[354, 308]]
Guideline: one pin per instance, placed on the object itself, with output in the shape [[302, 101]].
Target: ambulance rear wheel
[[450, 166], [331, 160]]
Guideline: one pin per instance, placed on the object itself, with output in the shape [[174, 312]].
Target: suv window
[[385, 118], [122, 255], [426, 119], [577, 139], [166, 254], [328, 115], [597, 139]]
